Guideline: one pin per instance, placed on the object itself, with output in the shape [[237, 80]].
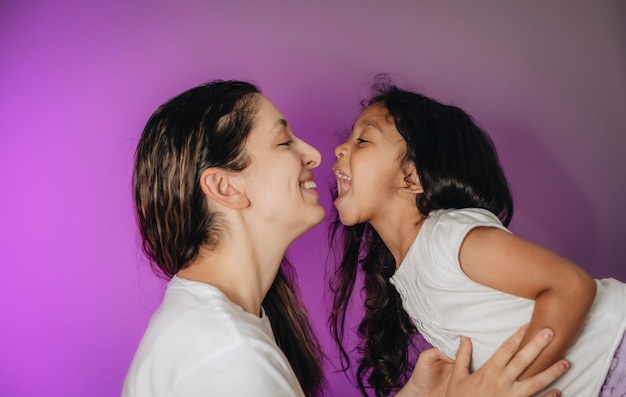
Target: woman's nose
[[312, 156]]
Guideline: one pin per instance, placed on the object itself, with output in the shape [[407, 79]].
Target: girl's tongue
[[343, 183]]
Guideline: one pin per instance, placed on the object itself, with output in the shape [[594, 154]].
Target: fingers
[[526, 356], [462, 358], [529, 353], [500, 374], [433, 355], [507, 350], [426, 358], [552, 393], [544, 378]]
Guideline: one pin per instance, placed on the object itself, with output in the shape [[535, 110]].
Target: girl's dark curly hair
[[385, 331], [458, 167]]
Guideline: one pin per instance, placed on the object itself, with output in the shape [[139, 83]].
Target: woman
[[222, 187]]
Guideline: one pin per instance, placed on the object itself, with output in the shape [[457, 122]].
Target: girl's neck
[[398, 230]]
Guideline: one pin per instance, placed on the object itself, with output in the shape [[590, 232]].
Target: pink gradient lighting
[[78, 80]]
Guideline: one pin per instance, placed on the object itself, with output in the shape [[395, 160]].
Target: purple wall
[[78, 81]]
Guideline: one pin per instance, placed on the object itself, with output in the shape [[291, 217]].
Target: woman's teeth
[[308, 185]]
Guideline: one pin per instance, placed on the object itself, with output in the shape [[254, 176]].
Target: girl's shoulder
[[445, 230], [468, 216]]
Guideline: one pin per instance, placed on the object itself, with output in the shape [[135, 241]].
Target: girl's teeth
[[341, 175], [308, 185]]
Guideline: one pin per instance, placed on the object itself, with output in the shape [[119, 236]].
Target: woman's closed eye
[[286, 143], [361, 140]]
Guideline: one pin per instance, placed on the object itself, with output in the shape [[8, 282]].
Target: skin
[[374, 187], [499, 376], [562, 291], [379, 191], [264, 209], [436, 376]]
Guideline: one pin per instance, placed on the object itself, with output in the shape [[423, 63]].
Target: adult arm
[[435, 375], [563, 292]]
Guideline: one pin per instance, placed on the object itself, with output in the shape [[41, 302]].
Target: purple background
[[78, 80]]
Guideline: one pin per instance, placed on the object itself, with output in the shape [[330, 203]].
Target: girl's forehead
[[374, 110], [376, 117]]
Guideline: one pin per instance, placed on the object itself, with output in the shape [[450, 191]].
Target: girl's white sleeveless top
[[444, 304]]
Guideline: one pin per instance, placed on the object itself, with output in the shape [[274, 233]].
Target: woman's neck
[[238, 269]]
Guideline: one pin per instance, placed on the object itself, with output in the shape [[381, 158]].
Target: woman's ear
[[220, 185]]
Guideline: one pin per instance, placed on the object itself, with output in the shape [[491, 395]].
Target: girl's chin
[[345, 219], [338, 201]]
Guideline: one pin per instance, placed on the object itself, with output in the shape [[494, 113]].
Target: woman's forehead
[[268, 122], [269, 115]]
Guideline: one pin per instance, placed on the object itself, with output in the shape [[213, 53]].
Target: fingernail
[[557, 393], [547, 334], [564, 365]]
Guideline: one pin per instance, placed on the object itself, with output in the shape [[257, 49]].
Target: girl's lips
[[344, 183], [341, 175]]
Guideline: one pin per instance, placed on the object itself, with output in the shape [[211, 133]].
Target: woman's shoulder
[[192, 310], [207, 348]]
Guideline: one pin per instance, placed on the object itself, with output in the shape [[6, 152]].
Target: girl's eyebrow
[[368, 123], [374, 124]]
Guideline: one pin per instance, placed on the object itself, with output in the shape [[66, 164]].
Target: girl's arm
[[563, 292]]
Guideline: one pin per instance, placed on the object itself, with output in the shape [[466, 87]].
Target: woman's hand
[[435, 375], [499, 375], [430, 377]]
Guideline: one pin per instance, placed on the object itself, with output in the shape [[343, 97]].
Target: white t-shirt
[[444, 303], [199, 343]]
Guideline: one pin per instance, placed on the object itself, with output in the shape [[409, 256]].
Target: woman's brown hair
[[206, 127]]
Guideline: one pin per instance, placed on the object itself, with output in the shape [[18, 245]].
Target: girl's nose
[[340, 150]]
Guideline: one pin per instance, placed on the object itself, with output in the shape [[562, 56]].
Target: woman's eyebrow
[[279, 123]]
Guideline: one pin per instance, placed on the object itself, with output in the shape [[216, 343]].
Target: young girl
[[425, 206]]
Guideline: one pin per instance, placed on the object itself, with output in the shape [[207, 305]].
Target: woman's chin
[[321, 214], [315, 216]]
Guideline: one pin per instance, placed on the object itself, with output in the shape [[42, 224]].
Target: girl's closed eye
[[361, 140], [286, 143]]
